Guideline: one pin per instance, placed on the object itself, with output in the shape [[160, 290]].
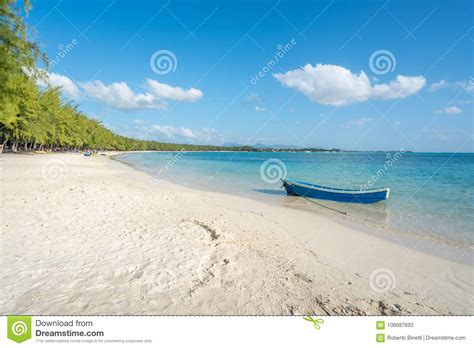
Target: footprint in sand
[[165, 281]]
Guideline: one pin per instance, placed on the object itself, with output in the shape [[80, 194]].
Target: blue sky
[[320, 67]]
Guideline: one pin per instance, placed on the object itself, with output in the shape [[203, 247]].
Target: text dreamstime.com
[[64, 328]]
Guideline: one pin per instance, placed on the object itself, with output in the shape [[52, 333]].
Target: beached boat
[[305, 189]]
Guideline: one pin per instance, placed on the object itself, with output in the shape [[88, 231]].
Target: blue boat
[[305, 189]]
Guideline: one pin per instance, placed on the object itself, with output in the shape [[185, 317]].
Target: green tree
[[34, 118]]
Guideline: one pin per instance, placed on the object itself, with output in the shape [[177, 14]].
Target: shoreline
[[434, 245], [109, 239]]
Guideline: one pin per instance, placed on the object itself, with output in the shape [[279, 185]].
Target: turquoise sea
[[431, 193]]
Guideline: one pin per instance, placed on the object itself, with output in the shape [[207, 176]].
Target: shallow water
[[431, 193]]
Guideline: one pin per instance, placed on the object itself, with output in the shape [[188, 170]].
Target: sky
[[354, 75]]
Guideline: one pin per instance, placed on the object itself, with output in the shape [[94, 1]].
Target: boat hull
[[295, 188]]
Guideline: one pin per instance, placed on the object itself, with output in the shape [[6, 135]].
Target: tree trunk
[[3, 146]]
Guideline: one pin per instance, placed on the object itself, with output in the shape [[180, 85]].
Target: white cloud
[[172, 132], [56, 80], [119, 95], [137, 122], [336, 85], [251, 99], [449, 110], [162, 90], [361, 122], [468, 86], [453, 110], [438, 85], [401, 87], [260, 109]]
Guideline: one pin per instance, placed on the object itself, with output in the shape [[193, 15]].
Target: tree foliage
[[34, 118], [38, 118]]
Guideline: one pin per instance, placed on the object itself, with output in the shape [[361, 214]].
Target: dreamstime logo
[[171, 162], [54, 170], [19, 328], [382, 62], [163, 61], [282, 50], [382, 280], [272, 170], [63, 51], [391, 159]]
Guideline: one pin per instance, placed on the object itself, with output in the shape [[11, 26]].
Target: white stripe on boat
[[296, 183]]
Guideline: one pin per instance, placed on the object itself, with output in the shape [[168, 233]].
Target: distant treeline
[[34, 118]]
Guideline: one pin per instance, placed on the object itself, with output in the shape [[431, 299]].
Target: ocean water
[[431, 193]]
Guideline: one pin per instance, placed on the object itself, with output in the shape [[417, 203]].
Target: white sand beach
[[89, 235]]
